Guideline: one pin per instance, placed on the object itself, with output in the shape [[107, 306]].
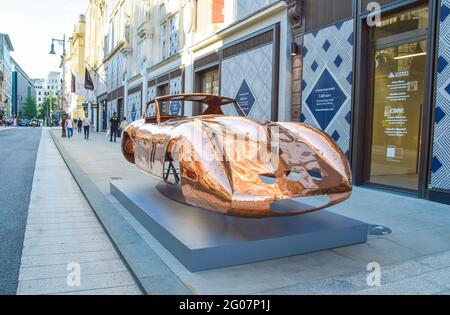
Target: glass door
[[398, 81]]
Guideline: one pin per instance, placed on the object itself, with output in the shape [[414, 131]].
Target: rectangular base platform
[[202, 240]]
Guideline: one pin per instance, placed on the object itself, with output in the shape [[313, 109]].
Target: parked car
[[24, 122], [232, 165]]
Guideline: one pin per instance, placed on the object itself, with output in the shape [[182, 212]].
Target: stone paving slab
[[59, 271], [405, 264], [88, 282], [61, 230], [58, 259], [119, 291], [123, 235]]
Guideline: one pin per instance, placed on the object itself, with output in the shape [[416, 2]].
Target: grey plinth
[[202, 240]]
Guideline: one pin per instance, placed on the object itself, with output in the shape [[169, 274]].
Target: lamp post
[[62, 42]]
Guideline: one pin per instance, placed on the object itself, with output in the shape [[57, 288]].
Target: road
[[18, 150]]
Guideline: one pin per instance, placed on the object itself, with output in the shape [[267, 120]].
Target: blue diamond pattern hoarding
[[328, 79], [441, 147], [133, 112], [326, 99], [175, 107], [245, 98]]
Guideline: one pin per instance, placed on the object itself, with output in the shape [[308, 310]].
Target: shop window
[[208, 82], [164, 90], [320, 13], [409, 21], [365, 3]]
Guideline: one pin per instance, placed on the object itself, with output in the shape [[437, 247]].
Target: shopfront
[[246, 69], [372, 88], [168, 83]]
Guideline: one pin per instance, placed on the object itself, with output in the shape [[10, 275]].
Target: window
[[319, 13], [217, 11], [163, 41], [365, 3], [116, 28], [170, 30], [174, 39]]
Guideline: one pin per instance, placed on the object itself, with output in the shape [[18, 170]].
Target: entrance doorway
[[398, 84], [104, 115], [207, 82], [120, 109], [164, 90]]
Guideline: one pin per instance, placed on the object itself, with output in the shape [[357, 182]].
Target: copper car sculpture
[[232, 165]]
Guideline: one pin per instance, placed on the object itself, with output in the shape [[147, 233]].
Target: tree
[[30, 110], [47, 111]]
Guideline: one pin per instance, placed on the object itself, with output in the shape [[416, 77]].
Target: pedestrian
[[87, 126], [69, 127], [123, 125], [115, 123], [80, 125]]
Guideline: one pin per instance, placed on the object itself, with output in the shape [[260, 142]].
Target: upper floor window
[[218, 11], [117, 27], [170, 30]]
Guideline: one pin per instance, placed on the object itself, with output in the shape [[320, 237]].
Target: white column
[[125, 97], [144, 89]]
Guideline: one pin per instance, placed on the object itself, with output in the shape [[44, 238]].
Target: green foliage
[[47, 111], [30, 110]]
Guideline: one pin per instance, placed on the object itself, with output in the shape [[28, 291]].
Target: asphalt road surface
[[18, 150]]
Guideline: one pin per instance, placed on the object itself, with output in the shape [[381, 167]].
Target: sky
[[31, 25]]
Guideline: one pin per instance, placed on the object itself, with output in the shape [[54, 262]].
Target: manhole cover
[[116, 178], [379, 230]]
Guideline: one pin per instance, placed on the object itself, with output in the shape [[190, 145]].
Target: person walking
[[80, 125], [115, 124], [123, 125], [69, 127], [87, 126]]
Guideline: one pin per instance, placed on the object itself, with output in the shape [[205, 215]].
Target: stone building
[[373, 75]]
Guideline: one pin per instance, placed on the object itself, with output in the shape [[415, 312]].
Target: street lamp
[[62, 42]]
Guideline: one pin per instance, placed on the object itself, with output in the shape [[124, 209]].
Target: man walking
[[115, 124], [87, 126], [69, 127]]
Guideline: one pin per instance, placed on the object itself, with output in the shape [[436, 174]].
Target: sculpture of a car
[[232, 165]]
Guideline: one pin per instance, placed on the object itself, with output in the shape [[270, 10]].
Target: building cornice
[[164, 62], [115, 50]]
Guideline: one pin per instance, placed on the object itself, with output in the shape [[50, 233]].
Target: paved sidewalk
[[61, 230], [415, 258]]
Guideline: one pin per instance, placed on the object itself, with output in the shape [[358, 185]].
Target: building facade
[[6, 48], [54, 83], [373, 75], [40, 86], [74, 64], [44, 87], [22, 88]]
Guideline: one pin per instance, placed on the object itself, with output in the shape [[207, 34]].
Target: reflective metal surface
[[236, 166]]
